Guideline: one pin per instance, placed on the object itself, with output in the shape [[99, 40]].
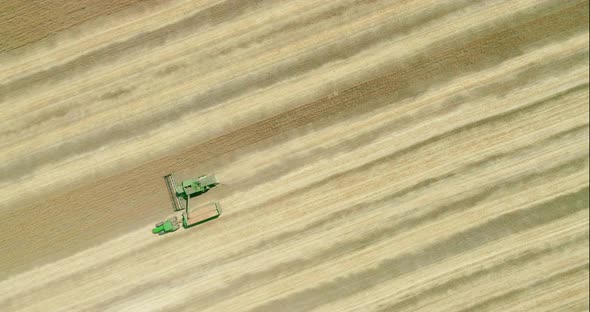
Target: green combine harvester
[[186, 190]]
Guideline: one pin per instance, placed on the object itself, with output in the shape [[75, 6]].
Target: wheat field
[[410, 155]]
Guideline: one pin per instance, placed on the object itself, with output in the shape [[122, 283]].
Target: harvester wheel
[[161, 233], [174, 219], [159, 224]]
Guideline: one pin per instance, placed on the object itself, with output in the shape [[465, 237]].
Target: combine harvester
[[186, 190]]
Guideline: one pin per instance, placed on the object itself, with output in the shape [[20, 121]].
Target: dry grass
[[24, 22], [374, 156]]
